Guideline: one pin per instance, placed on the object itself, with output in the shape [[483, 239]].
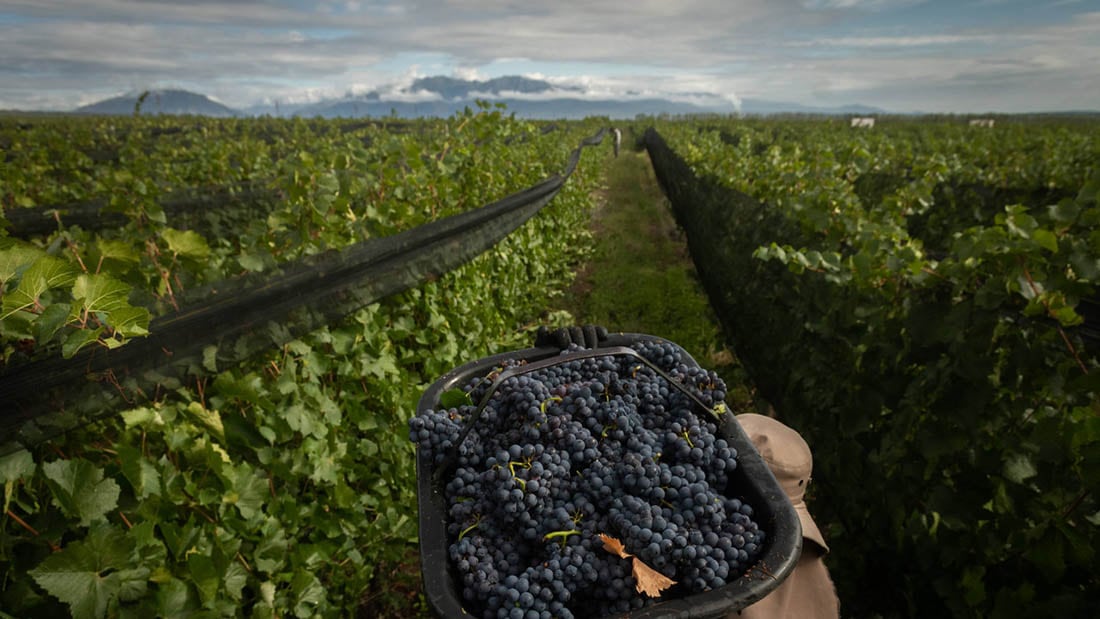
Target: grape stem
[[562, 534], [469, 528]]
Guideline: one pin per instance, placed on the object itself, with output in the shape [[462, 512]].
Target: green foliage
[[919, 330], [53, 301], [94, 575], [278, 488]]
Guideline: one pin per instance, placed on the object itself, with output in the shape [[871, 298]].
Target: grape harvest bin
[[752, 480]]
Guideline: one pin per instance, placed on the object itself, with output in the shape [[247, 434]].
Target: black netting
[[183, 210], [724, 227]]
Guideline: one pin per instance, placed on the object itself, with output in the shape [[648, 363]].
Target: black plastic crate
[[752, 478]]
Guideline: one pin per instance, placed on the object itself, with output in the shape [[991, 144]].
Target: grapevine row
[[934, 368]]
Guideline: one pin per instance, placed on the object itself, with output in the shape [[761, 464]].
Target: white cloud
[[469, 73], [899, 41], [406, 96], [873, 5], [58, 53]]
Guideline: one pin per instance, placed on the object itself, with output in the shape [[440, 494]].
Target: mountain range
[[159, 102], [443, 96]]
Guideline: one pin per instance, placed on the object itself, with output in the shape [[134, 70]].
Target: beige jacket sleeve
[[807, 593]]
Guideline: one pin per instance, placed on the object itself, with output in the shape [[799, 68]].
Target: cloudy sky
[[902, 55]]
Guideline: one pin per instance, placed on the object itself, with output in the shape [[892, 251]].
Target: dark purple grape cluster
[[599, 445]]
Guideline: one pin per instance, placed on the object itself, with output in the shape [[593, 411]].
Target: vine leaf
[[119, 251], [12, 259], [90, 575], [51, 320], [80, 490], [648, 580], [45, 273], [142, 474], [1019, 468], [186, 243], [130, 321], [79, 339], [454, 398], [16, 465], [106, 298], [100, 293]]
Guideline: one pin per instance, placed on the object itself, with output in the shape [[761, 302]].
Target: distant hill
[[160, 102], [441, 96], [764, 107]]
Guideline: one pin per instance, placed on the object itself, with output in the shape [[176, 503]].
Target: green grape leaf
[[1045, 239], [80, 490], [142, 474], [1019, 468], [83, 574], [100, 293], [248, 492], [1018, 222], [1089, 191], [252, 262], [1066, 316], [209, 419], [186, 243], [146, 418], [454, 398], [308, 592], [79, 339], [205, 576], [1048, 554], [1064, 212], [12, 259], [50, 321], [155, 212], [265, 607], [1086, 265], [236, 577], [45, 273], [117, 250], [16, 465], [210, 358], [303, 419], [130, 321], [271, 552], [174, 599], [133, 583]]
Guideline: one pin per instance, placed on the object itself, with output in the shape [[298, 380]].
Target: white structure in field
[[863, 121], [981, 122]]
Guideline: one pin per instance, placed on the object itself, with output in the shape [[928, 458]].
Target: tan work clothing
[[807, 593]]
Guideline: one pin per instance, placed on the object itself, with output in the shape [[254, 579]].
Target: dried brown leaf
[[614, 546], [650, 581]]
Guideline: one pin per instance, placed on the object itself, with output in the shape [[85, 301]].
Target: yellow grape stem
[[562, 534]]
